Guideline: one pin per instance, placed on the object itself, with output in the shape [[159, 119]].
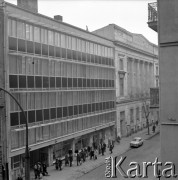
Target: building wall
[[168, 52], [135, 62], [64, 78]]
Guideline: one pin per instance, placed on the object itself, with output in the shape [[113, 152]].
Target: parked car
[[136, 142]]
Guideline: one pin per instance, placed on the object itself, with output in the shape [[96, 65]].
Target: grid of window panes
[[40, 73], [28, 38], [43, 133], [42, 107], [53, 84]]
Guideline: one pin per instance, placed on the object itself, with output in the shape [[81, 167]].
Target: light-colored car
[[136, 142]]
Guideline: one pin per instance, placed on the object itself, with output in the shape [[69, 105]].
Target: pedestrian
[[95, 154], [70, 159], [44, 169], [78, 159], [83, 155], [92, 154], [66, 160], [35, 168], [60, 164], [102, 149], [154, 127], [39, 170], [57, 164], [19, 177], [99, 147], [86, 152], [104, 144], [89, 149], [111, 148]]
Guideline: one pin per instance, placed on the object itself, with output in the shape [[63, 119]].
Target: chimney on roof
[[31, 5], [58, 18]]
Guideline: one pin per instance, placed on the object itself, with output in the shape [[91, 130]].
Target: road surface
[[146, 153]]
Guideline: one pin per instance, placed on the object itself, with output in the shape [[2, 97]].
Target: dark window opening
[[51, 51], [38, 82], [39, 115], [30, 81], [31, 116], [45, 82], [14, 119], [21, 45], [58, 82], [22, 82], [53, 113], [13, 43], [38, 48], [13, 81], [52, 82], [44, 49], [46, 114]]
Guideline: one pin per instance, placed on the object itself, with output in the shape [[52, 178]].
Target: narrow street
[[146, 153]]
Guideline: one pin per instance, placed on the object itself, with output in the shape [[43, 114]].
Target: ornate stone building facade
[[136, 61]]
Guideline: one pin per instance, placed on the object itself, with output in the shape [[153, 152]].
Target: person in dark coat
[[70, 159], [35, 168], [111, 148], [154, 127], [44, 169], [92, 153], [102, 149], [83, 156], [66, 160], [57, 164], [79, 162], [86, 152], [39, 169], [89, 149], [19, 177], [60, 163], [104, 144]]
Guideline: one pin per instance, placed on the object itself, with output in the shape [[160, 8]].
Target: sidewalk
[[72, 173]]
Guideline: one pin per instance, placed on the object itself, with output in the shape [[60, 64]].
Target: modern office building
[[136, 61], [64, 78], [167, 25]]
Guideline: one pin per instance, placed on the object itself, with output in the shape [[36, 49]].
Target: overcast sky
[[131, 15]]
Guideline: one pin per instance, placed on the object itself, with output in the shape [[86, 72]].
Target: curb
[[152, 135]]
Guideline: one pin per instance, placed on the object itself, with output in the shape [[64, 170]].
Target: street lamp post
[[27, 153]]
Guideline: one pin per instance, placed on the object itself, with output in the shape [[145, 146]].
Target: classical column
[[132, 77], [138, 73], [141, 77]]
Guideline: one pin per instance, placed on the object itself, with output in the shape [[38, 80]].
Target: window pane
[[14, 28], [36, 34], [74, 43], [51, 37], [63, 41], [13, 65], [44, 36], [20, 30]]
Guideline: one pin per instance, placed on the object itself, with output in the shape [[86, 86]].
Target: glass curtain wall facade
[[64, 83]]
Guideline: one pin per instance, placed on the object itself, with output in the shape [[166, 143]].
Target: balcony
[[152, 16]]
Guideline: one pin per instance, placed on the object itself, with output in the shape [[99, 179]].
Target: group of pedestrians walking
[[68, 161], [40, 170], [91, 152]]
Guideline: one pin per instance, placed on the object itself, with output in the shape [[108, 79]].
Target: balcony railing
[[152, 16]]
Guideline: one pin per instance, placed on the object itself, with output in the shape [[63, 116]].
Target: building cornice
[[118, 43]]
